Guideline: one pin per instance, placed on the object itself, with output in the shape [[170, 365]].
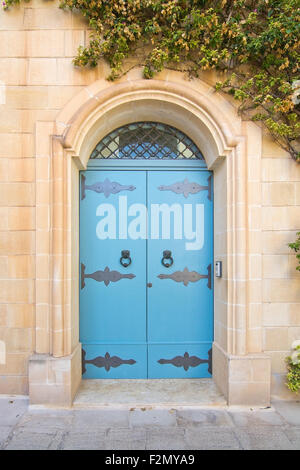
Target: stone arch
[[212, 123], [199, 113]]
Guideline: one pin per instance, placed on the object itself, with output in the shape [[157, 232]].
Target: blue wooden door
[[112, 297], [152, 318], [180, 301]]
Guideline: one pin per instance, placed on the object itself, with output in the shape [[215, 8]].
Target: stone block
[[276, 242], [50, 18], [17, 243], [278, 361], [280, 390], [276, 339], [279, 266], [30, 97], [16, 364], [52, 380], [17, 194], [73, 39], [45, 43], [13, 71], [244, 380], [278, 194], [297, 194], [21, 218], [14, 385], [17, 290], [42, 72], [20, 315], [21, 267], [12, 44], [16, 145], [4, 218], [59, 96], [283, 169], [249, 394], [12, 18], [22, 169], [270, 149], [67, 74], [281, 290], [19, 340], [293, 334], [281, 218]]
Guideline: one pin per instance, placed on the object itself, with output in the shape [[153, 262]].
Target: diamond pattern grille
[[147, 140]]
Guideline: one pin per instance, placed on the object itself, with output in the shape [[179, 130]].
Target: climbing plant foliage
[[253, 44], [295, 246]]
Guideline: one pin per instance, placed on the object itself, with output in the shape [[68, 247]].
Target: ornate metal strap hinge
[[106, 187], [105, 276], [107, 361], [187, 276], [186, 187], [186, 361]]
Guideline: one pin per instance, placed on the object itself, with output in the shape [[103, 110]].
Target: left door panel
[[112, 297]]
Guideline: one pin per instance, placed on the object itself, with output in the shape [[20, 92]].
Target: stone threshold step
[[161, 393]]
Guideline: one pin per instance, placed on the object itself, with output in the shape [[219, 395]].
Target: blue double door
[[146, 283]]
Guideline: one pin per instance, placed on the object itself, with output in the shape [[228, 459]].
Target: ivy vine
[[253, 44], [293, 368], [295, 246]]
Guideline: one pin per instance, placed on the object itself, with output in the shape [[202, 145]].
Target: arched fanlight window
[[147, 140]]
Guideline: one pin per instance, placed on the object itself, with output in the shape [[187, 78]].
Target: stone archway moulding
[[232, 150]]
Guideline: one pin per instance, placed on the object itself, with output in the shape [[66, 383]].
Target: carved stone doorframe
[[232, 149]]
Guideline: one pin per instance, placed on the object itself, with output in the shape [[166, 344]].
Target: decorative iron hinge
[[186, 187], [186, 361], [107, 361], [105, 276], [187, 276], [106, 187]]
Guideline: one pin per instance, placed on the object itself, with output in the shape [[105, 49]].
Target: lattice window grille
[[147, 140]]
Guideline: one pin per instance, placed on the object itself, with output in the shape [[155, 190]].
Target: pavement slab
[[159, 438], [26, 440], [212, 438], [255, 417], [4, 433], [293, 434], [153, 428], [290, 411], [264, 437], [126, 439], [84, 440], [12, 409]]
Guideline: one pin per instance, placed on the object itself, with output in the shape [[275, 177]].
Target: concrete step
[[154, 393]]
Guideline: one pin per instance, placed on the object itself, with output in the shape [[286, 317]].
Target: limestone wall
[[281, 281], [37, 79]]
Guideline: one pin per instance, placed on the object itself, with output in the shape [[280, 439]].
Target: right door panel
[[180, 302]]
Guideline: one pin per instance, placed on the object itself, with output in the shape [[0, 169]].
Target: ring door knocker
[[125, 255], [167, 256]]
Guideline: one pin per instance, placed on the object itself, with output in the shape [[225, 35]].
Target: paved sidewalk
[[185, 428]]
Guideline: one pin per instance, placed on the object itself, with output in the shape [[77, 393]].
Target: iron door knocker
[[167, 255], [125, 255]]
